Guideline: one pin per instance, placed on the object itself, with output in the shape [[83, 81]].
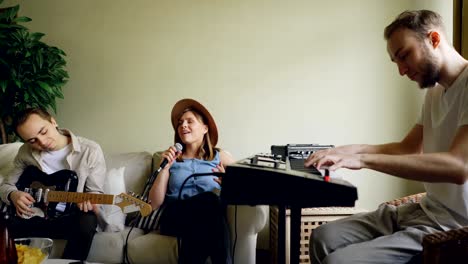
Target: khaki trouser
[[388, 235]]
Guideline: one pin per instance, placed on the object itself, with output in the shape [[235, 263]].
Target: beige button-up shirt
[[86, 159]]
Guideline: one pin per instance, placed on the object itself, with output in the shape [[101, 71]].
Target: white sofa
[[107, 247]]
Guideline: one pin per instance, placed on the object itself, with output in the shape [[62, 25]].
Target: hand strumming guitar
[[22, 202]]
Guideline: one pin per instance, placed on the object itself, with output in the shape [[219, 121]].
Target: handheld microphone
[[179, 148]]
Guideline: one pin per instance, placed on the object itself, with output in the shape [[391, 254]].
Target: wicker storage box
[[311, 219]]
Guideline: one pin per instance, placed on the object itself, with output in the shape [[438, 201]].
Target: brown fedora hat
[[183, 104]]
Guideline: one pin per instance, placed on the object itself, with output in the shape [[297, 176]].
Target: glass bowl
[[37, 251]]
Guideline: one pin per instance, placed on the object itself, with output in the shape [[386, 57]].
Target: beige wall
[[271, 72]]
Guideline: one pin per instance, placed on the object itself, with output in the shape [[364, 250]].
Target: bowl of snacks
[[33, 250]]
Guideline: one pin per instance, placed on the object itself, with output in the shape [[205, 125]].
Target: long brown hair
[[207, 150]]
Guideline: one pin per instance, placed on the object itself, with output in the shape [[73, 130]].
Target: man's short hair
[[419, 21], [22, 116]]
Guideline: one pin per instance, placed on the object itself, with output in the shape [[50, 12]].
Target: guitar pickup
[[61, 207], [46, 195], [38, 195]]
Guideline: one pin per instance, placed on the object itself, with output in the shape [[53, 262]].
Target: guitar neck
[[76, 197]]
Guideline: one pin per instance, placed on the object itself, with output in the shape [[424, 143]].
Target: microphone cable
[[125, 253], [138, 217], [144, 196]]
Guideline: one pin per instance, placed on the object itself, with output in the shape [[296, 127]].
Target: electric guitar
[[56, 195]]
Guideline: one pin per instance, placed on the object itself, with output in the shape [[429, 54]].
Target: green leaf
[[45, 86], [59, 95], [37, 36], [3, 85], [62, 73], [22, 19], [2, 61], [33, 95], [58, 92], [18, 83], [39, 60], [18, 27], [11, 12], [54, 106], [42, 96]]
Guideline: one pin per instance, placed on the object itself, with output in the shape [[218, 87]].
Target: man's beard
[[431, 72]]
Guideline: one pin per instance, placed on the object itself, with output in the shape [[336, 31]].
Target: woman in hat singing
[[198, 218]]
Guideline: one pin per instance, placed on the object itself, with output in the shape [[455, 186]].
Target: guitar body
[[37, 181]]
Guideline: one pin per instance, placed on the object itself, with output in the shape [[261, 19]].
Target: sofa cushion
[[137, 168], [7, 155], [153, 248], [114, 184], [157, 159], [108, 247], [150, 222]]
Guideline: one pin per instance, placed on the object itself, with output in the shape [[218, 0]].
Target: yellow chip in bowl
[[29, 255]]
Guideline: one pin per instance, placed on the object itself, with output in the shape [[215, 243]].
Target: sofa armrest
[[246, 223], [446, 247], [441, 247], [415, 198]]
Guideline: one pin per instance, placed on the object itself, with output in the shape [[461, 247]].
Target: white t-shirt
[[52, 161], [443, 112]]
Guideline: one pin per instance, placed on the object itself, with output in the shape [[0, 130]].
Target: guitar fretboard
[[76, 197]]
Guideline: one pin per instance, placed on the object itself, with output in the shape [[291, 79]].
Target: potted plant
[[32, 73]]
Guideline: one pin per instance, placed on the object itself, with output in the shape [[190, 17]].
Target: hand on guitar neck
[[87, 206]]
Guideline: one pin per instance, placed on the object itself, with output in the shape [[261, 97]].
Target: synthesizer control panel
[[267, 179]]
